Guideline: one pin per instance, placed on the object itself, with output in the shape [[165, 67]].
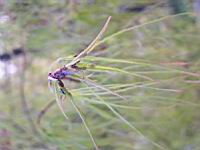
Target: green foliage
[[178, 6], [145, 69]]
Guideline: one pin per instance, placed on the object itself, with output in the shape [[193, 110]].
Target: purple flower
[[67, 72]]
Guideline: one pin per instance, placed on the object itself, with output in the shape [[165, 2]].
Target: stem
[[24, 103], [84, 121], [44, 110], [139, 26]]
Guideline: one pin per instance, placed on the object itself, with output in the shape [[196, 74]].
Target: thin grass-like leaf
[[83, 120], [91, 46], [58, 100], [127, 122], [142, 25], [88, 81]]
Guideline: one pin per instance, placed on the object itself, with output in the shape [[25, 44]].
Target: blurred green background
[[165, 110]]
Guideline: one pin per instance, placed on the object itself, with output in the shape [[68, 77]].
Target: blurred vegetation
[[164, 110]]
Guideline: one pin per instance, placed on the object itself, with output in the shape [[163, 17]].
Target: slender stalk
[[127, 122], [44, 110], [91, 46], [59, 102], [84, 121], [140, 26], [24, 103]]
